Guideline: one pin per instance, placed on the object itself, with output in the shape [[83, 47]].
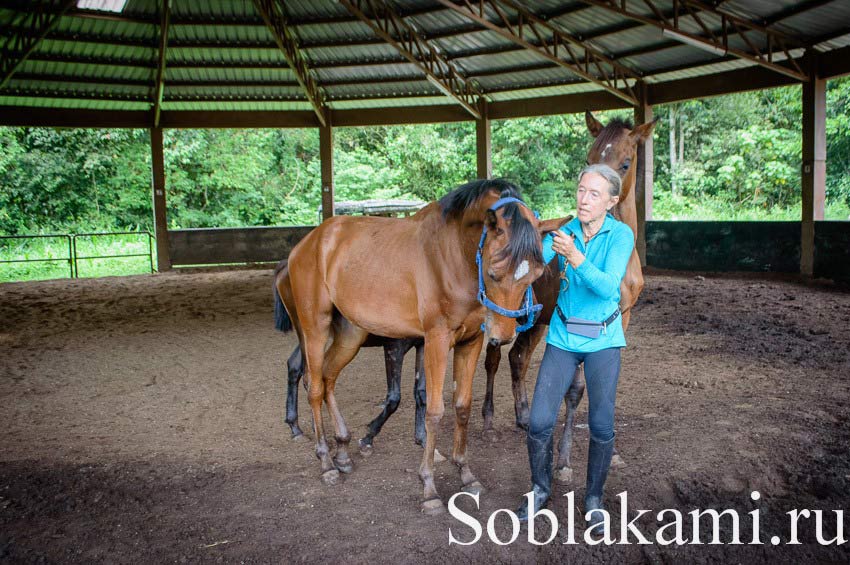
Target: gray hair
[[606, 172]]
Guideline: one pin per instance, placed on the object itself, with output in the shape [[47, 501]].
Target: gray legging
[[602, 371]]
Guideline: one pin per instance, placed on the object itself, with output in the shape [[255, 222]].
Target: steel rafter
[[552, 43], [714, 38], [378, 15], [35, 25], [275, 18], [159, 85]]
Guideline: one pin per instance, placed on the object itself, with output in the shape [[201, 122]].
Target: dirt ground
[[142, 421]]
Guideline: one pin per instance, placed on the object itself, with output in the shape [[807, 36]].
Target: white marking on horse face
[[521, 271], [605, 151]]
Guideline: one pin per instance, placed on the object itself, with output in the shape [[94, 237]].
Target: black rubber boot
[[598, 462], [540, 459]]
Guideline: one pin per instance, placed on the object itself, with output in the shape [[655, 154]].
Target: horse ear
[[490, 219], [644, 131], [592, 123], [553, 224]]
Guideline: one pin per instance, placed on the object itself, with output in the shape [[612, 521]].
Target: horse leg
[[520, 359], [437, 343], [491, 365], [345, 346], [465, 359], [295, 369], [419, 395], [394, 351], [563, 471]]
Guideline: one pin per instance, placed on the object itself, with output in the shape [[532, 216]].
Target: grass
[[56, 249]]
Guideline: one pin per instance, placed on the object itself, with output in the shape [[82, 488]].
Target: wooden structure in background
[[337, 63]]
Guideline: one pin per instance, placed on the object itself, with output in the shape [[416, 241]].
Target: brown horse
[[352, 276], [615, 145]]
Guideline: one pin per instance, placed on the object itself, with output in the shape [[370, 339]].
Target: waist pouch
[[586, 328]]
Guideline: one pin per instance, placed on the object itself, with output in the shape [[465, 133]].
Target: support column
[[483, 155], [813, 175], [644, 174], [163, 257], [326, 156]]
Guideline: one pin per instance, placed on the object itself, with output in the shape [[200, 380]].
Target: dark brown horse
[[411, 278]]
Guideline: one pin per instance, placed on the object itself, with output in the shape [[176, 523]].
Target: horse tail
[[282, 321]]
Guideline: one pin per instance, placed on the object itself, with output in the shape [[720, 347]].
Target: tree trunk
[[672, 128]]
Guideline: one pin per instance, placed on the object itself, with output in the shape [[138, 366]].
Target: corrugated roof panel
[[281, 74], [479, 63], [483, 39], [81, 89], [190, 56], [214, 9], [367, 72], [525, 78], [545, 91], [84, 70], [298, 10], [82, 50], [810, 24], [700, 71], [253, 106], [399, 89], [587, 20], [225, 93], [72, 103], [359, 52], [439, 20], [128, 31], [391, 103], [247, 34], [336, 33], [674, 56]]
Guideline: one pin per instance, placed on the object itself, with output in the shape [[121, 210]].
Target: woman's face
[[592, 198]]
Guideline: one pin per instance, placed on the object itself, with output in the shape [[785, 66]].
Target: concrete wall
[[233, 245]]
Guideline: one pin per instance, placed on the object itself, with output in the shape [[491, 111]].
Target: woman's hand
[[563, 244]]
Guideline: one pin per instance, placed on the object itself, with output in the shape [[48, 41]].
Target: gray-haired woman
[[594, 250]]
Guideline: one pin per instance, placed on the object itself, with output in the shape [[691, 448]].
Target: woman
[[594, 250]]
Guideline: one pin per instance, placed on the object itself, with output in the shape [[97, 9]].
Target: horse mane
[[524, 240], [465, 195], [612, 132]]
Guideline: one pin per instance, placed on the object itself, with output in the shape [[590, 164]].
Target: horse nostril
[[494, 342]]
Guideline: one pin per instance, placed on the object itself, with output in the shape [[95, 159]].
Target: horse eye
[[625, 166], [499, 231]]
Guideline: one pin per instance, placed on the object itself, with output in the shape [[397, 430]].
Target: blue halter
[[529, 308]]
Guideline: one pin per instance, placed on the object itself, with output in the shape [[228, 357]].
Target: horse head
[[616, 146], [511, 259]]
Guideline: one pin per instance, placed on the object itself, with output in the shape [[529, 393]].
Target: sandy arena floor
[[143, 422]]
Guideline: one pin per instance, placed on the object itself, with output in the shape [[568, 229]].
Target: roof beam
[[694, 10], [159, 84], [439, 71], [595, 66], [37, 22], [275, 17]]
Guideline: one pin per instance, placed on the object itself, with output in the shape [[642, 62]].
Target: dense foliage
[[733, 157]]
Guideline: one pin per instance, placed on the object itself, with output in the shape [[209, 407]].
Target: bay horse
[[616, 145], [428, 276]]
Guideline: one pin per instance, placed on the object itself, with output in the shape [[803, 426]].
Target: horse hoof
[[438, 457], [299, 437], [474, 487], [564, 475], [344, 466], [365, 449], [330, 478], [433, 507], [617, 461], [522, 426]]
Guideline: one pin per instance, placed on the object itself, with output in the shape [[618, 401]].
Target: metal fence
[[73, 258]]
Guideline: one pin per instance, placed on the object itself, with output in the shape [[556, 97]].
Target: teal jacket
[[593, 292]]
